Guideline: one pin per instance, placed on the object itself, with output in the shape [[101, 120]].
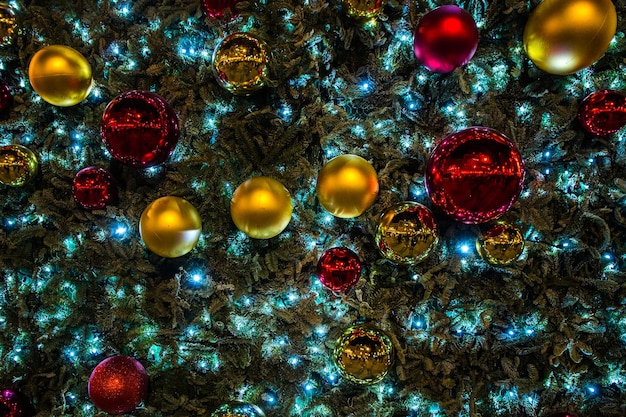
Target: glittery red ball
[[15, 404], [445, 38], [339, 269], [474, 175], [6, 97], [215, 9], [603, 113], [139, 129], [94, 188], [118, 385]]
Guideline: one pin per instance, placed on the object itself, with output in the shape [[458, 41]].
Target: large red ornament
[[474, 175], [118, 385], [6, 96], [94, 188], [139, 129], [216, 9], [339, 269], [603, 113], [445, 38], [15, 404]]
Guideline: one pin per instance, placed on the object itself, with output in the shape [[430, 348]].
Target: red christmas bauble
[[603, 113], [94, 188], [139, 129], [118, 385], [474, 175], [216, 9], [339, 269], [445, 38], [15, 404], [6, 97]]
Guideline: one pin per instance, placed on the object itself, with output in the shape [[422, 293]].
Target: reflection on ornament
[[339, 269], [60, 75], [363, 354], [565, 36], [139, 129], [238, 410], [7, 24], [118, 385], [603, 112], [261, 207], [502, 244], [18, 165], [15, 404], [240, 63], [362, 9], [407, 233], [347, 186], [474, 175], [218, 9], [94, 188], [170, 226]]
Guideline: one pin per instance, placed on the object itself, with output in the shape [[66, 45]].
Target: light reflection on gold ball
[[60, 75], [240, 63], [362, 9], [347, 186], [502, 244], [261, 207], [170, 226], [407, 233], [7, 24], [564, 36], [18, 165], [363, 354]]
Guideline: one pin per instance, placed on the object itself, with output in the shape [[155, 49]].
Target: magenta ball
[[445, 38]]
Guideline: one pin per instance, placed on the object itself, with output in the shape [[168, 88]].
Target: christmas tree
[[240, 318]]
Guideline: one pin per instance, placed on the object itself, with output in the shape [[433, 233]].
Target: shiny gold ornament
[[18, 165], [407, 233], [363, 9], [170, 226], [565, 36], [347, 186], [501, 245], [363, 354], [240, 63], [7, 24], [261, 207], [60, 75]]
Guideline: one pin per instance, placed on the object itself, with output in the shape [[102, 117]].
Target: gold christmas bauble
[[502, 244], [238, 410], [347, 186], [170, 226], [60, 75], [7, 24], [363, 354], [261, 207], [407, 233], [18, 165], [565, 36], [362, 9], [240, 63]]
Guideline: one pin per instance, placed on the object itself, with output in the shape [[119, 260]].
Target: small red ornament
[[339, 269], [15, 404], [6, 97], [139, 129], [118, 385], [603, 113], [94, 188], [474, 175], [445, 38], [216, 9]]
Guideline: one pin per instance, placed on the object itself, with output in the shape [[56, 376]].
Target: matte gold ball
[[261, 207], [347, 186], [18, 165], [240, 63], [170, 226], [7, 24], [363, 9], [363, 354], [60, 75], [502, 244], [564, 36]]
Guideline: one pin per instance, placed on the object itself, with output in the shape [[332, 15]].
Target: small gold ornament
[[170, 226], [240, 63], [407, 233], [60, 75], [501, 245], [238, 410], [564, 36], [261, 207], [7, 24], [347, 186], [363, 9], [18, 165], [363, 354]]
